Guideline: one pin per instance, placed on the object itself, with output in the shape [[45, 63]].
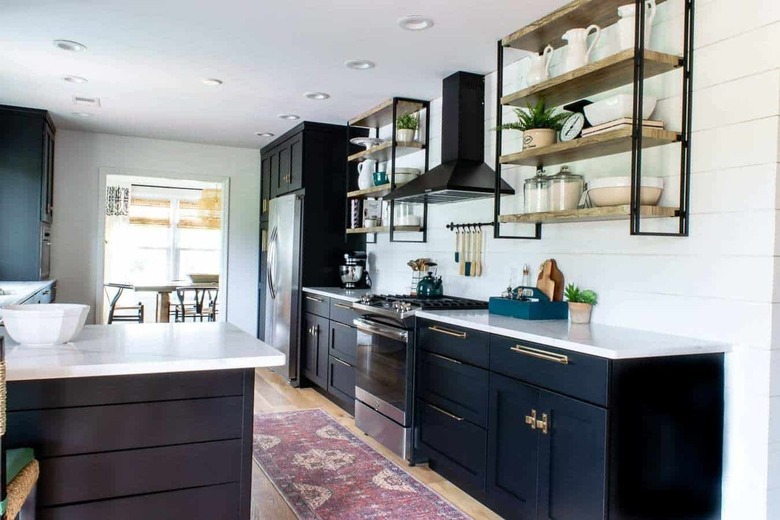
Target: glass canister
[[535, 197], [564, 190]]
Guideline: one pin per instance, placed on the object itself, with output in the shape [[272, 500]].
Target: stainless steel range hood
[[463, 174]]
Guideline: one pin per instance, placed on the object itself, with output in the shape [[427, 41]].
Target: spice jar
[[564, 190], [535, 197]]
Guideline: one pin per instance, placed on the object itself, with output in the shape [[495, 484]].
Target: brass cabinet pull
[[314, 330], [342, 362], [343, 306], [312, 298], [541, 354], [530, 420], [543, 425], [445, 358], [461, 335], [445, 412]]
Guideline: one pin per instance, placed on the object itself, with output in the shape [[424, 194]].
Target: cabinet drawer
[[341, 379], [453, 385], [456, 448], [465, 345], [342, 311], [316, 304], [563, 371], [343, 342]]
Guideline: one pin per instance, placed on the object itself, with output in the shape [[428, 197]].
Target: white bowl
[[616, 191], [44, 324], [616, 107], [403, 178], [203, 278]]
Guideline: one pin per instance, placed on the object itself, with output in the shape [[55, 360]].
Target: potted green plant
[[540, 125], [405, 127], [581, 302]]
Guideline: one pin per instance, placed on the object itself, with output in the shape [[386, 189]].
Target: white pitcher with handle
[[366, 171], [577, 51], [540, 67], [625, 25]]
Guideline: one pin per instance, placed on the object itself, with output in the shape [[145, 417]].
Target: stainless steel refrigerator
[[283, 274]]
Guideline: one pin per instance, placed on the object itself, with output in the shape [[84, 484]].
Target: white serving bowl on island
[[44, 324]]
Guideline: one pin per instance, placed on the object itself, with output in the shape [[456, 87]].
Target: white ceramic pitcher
[[577, 52], [540, 67], [366, 171], [625, 25]]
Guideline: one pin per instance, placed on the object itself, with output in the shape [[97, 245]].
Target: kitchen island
[[139, 421]]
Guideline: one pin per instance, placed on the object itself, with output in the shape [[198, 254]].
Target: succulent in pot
[[581, 302], [405, 127], [540, 125]]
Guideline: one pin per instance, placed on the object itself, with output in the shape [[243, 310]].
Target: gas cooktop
[[403, 306]]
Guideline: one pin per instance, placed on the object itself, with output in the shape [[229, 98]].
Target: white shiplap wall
[[719, 283]]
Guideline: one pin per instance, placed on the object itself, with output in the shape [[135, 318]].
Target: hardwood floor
[[272, 394]]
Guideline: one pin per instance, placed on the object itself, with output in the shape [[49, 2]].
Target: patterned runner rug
[[327, 473]]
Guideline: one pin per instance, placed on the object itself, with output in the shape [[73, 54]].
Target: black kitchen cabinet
[[341, 382], [27, 174], [315, 349], [569, 436], [265, 188]]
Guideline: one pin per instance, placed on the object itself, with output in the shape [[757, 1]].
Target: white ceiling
[[145, 59]]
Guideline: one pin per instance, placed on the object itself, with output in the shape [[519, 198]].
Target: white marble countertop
[[20, 291], [153, 348], [594, 339], [347, 295]]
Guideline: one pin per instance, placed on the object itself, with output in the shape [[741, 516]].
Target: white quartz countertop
[[594, 339], [153, 348], [17, 292], [347, 295]]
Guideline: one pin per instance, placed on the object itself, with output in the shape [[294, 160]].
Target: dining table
[[164, 290]]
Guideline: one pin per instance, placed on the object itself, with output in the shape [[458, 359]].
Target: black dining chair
[[132, 313], [196, 304]]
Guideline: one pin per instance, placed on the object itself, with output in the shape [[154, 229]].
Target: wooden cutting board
[[550, 280]]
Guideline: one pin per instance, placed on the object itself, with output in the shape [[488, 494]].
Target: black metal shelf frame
[[391, 170], [635, 218]]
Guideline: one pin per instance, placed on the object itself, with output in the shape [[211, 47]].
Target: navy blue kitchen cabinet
[[543, 433]]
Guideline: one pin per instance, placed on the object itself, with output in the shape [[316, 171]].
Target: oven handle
[[370, 327]]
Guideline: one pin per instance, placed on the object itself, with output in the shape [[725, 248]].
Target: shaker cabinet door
[[513, 450], [315, 346], [265, 187], [295, 181], [572, 459]]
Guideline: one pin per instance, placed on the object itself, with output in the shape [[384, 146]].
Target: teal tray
[[543, 309]]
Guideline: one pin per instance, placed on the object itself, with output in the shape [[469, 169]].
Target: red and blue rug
[[327, 473]]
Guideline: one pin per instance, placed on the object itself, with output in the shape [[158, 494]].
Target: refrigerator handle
[[272, 261]]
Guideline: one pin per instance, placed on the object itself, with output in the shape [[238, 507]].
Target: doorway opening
[[164, 249]]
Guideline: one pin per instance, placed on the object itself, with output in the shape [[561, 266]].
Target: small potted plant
[[540, 125], [581, 302], [405, 127]]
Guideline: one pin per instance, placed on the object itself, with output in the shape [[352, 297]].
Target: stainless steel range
[[385, 364]]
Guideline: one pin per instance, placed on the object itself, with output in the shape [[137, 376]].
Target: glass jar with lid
[[535, 197], [564, 190]]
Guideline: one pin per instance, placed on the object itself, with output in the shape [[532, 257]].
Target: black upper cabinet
[[26, 197], [265, 188]]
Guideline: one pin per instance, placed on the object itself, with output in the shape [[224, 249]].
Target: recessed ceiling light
[[415, 22], [318, 96], [75, 79], [360, 64], [68, 45], [264, 134], [289, 117], [212, 82], [82, 114]]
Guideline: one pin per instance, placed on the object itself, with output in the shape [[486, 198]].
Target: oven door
[[381, 372]]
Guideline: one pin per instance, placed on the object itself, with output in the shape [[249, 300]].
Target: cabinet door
[[512, 448], [315, 346], [265, 188], [47, 177], [341, 379], [285, 172], [295, 181], [273, 163], [572, 459]]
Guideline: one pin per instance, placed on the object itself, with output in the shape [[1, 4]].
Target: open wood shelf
[[382, 115], [599, 145], [548, 30], [384, 151], [588, 215], [608, 73], [382, 229]]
